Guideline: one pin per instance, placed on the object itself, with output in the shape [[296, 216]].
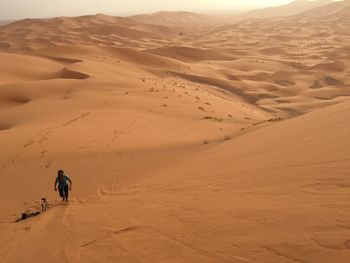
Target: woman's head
[[60, 172]]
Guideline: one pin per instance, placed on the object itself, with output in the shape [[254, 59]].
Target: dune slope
[[273, 195]]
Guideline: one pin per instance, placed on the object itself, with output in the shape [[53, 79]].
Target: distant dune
[[5, 22], [30, 34], [334, 11], [293, 8], [187, 139], [174, 19]]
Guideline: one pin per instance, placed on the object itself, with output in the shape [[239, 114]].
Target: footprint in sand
[[48, 165], [347, 244], [38, 138], [29, 143], [81, 116]]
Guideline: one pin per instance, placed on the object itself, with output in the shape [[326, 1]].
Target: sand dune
[[211, 203], [4, 22], [14, 68], [33, 34], [334, 11], [207, 143], [174, 19], [293, 8], [190, 54]]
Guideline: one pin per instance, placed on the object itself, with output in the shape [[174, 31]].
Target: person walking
[[62, 183]]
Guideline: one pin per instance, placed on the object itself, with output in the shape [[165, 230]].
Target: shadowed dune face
[[12, 98], [4, 127], [70, 74], [180, 142]]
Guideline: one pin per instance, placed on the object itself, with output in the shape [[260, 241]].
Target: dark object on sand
[[44, 204], [27, 215]]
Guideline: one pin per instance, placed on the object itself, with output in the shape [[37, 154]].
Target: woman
[[61, 181]]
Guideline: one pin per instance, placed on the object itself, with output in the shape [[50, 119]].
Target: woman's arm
[[56, 181], [70, 183]]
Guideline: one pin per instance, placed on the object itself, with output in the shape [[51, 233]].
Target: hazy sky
[[15, 9]]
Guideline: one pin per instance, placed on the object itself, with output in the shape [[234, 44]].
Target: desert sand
[[185, 141]]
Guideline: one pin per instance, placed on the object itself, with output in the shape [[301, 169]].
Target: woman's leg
[[66, 192], [61, 192]]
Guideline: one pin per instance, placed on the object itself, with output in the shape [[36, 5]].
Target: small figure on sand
[[44, 204], [62, 182]]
